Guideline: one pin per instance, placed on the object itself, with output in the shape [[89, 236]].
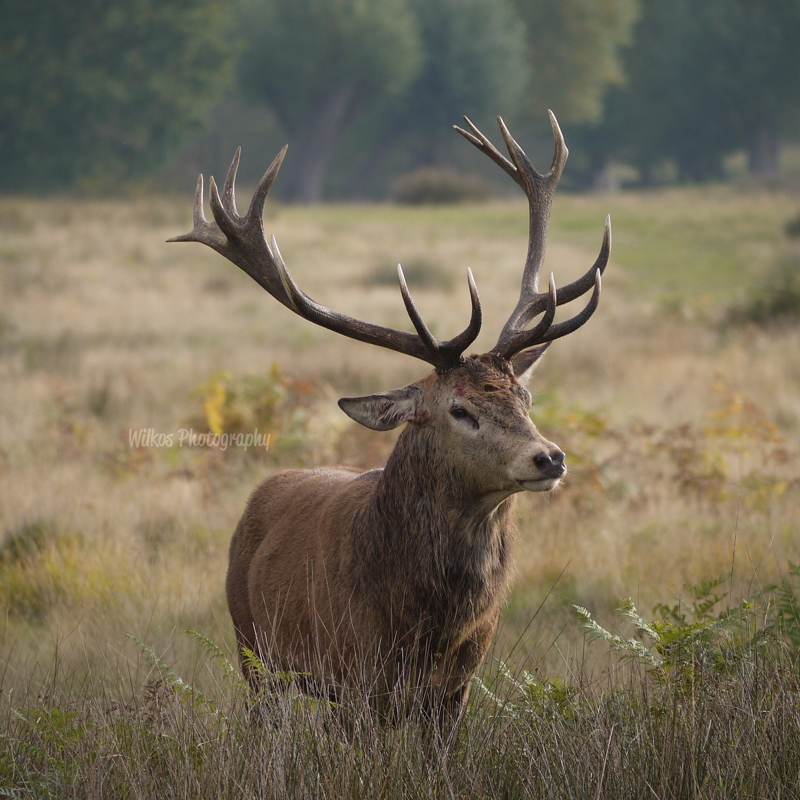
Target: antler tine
[[228, 192], [522, 339], [545, 331], [202, 230], [539, 190], [579, 287], [448, 353], [427, 337], [458, 344], [487, 148], [570, 325], [572, 291], [242, 241], [255, 213]]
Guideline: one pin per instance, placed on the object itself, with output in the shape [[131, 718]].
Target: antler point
[[402, 280]]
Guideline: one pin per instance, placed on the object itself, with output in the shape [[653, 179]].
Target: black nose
[[550, 464]]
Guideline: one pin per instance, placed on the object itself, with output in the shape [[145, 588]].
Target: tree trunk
[[318, 135], [762, 150]]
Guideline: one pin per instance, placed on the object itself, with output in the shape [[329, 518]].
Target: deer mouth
[[540, 484]]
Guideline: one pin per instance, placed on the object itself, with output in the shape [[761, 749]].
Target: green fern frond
[[631, 648], [182, 690], [213, 651]]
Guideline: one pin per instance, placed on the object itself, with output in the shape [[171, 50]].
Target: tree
[[574, 52], [317, 63], [706, 78], [751, 64], [96, 92], [658, 113], [473, 62], [409, 69]]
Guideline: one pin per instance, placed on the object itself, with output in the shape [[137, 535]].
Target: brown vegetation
[[683, 434]]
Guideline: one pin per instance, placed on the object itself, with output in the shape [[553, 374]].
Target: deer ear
[[525, 362], [387, 410]]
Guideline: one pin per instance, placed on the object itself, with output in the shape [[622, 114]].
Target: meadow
[[679, 411]]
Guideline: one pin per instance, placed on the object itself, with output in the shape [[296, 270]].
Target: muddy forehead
[[487, 378]]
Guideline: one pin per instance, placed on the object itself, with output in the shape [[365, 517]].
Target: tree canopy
[[409, 69], [574, 53], [95, 93], [99, 91], [705, 78], [473, 62], [317, 63]]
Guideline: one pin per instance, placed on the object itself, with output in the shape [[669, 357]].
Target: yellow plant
[[214, 402]]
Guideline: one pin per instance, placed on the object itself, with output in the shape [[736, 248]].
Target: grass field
[[682, 433]]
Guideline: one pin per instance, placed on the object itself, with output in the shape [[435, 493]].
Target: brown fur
[[395, 574]]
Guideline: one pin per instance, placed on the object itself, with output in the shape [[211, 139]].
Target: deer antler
[[242, 241], [539, 190]]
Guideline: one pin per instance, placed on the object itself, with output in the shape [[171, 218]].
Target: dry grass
[[683, 435]]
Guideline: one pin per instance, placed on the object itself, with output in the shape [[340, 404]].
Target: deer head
[[478, 406]]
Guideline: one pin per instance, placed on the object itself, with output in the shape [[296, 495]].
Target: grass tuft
[[707, 707]]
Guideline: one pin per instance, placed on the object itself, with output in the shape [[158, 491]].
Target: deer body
[[393, 579], [413, 558]]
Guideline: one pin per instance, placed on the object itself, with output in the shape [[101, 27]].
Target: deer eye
[[461, 413]]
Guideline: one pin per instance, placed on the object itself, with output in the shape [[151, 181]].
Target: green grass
[[703, 246]]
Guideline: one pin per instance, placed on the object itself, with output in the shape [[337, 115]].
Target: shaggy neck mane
[[422, 513]]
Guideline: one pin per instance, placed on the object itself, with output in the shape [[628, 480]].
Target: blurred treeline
[[99, 95]]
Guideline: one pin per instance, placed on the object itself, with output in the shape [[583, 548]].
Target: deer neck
[[421, 513], [422, 483]]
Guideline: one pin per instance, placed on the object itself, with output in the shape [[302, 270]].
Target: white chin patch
[[540, 485]]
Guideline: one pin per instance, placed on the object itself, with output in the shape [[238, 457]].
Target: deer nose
[[550, 464]]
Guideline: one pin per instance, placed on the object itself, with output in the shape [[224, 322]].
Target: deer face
[[476, 419]]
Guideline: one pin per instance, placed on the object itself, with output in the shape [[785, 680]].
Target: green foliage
[[408, 69], [473, 63], [185, 692], [316, 63], [688, 648], [630, 647], [705, 78], [574, 53], [50, 740], [718, 718], [94, 93], [296, 53], [525, 693]]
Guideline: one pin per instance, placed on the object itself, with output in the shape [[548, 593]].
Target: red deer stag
[[333, 571]]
